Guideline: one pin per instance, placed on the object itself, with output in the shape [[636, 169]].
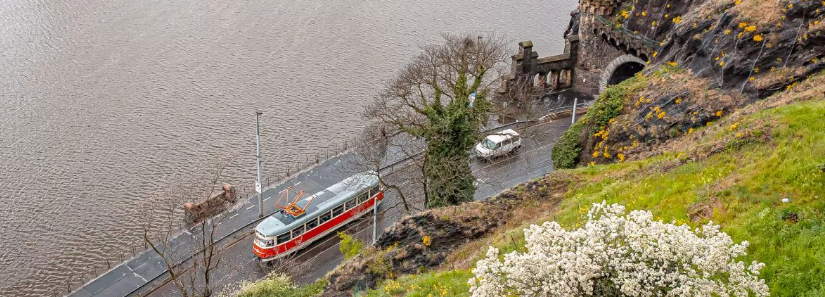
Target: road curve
[[145, 274]]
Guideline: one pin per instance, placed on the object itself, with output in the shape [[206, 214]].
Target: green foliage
[[793, 251], [787, 237], [430, 99], [608, 106], [453, 130], [750, 208], [380, 265], [435, 284], [610, 103], [280, 285], [566, 151], [349, 245]]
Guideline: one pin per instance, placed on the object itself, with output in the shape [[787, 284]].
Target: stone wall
[[592, 44], [594, 55], [216, 204]]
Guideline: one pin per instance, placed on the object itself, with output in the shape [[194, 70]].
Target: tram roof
[[320, 202]]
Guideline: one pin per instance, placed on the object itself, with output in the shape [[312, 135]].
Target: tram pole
[[375, 220], [258, 157], [575, 102]]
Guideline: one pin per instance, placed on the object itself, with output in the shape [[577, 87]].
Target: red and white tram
[[303, 221]]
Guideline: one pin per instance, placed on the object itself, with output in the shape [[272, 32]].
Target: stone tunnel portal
[[624, 71], [620, 69]]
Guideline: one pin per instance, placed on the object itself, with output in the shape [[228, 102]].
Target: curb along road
[[136, 275]]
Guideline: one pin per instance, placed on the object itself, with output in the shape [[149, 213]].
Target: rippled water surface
[[106, 103]]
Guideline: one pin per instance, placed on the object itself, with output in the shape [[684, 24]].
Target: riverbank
[[724, 126], [107, 104]]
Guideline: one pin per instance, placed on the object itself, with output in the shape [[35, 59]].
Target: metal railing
[[281, 177]]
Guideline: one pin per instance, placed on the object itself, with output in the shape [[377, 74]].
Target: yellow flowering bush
[[677, 19], [393, 288]]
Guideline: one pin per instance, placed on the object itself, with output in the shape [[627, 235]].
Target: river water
[[104, 103]]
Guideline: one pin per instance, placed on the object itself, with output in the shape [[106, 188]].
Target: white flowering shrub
[[618, 254]]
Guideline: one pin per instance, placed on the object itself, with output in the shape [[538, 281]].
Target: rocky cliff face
[[713, 57], [426, 240], [754, 48], [417, 243]]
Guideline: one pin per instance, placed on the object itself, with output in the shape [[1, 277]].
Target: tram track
[[361, 224], [151, 286], [358, 225], [245, 230]]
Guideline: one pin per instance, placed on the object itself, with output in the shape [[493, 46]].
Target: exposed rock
[[715, 57], [402, 249], [723, 43]]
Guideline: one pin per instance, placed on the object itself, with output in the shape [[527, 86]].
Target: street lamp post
[[375, 220], [575, 103], [258, 157]]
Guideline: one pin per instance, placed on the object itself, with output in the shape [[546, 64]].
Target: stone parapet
[[599, 7], [213, 205], [550, 73]]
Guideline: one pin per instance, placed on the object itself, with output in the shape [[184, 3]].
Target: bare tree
[[378, 149], [518, 99], [441, 97], [188, 250]]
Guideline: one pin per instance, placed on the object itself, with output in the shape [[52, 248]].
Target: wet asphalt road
[[531, 161], [239, 264]]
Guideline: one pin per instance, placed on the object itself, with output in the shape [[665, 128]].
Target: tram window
[[373, 191], [350, 204], [312, 224], [337, 211], [298, 231], [326, 217], [284, 238], [362, 197]]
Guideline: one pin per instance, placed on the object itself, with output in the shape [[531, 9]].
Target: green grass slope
[[734, 172]]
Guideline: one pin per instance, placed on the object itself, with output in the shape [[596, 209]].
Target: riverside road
[[145, 274]]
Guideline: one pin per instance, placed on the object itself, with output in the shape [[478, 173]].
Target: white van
[[498, 144]]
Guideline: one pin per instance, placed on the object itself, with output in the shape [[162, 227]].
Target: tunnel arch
[[620, 69]]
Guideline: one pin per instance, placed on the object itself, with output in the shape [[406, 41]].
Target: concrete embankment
[[133, 275], [146, 271]]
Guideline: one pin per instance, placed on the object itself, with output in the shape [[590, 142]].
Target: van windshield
[[489, 144]]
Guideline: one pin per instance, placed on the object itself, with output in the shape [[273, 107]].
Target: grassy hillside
[[734, 172]]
